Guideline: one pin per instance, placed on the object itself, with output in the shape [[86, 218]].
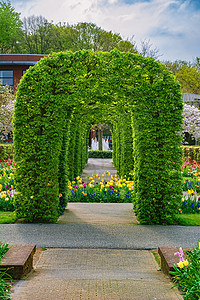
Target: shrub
[[99, 154], [57, 102], [191, 153], [6, 151]]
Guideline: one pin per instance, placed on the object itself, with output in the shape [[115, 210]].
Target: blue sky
[[173, 26]]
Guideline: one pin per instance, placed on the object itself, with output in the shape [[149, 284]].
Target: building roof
[[20, 59]]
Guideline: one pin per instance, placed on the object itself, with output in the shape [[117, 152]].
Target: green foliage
[[99, 154], [58, 101], [10, 26], [191, 152], [41, 36], [4, 278], [6, 151], [189, 78], [188, 277], [3, 249]]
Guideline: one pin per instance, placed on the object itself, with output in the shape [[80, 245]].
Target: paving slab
[[81, 274]]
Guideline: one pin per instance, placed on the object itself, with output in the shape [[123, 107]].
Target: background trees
[[10, 27]]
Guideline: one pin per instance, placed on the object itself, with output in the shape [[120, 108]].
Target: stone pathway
[[95, 274]]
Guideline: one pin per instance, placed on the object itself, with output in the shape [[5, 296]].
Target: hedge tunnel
[[63, 95]]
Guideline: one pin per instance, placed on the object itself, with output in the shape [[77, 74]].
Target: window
[[6, 77], [24, 72]]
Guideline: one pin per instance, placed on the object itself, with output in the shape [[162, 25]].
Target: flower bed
[[7, 187], [191, 185], [186, 273], [104, 189]]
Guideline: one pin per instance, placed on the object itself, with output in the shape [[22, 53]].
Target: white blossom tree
[[191, 121], [7, 99]]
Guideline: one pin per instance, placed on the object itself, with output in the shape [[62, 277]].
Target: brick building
[[14, 66]]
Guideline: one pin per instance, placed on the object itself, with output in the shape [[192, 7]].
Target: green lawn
[[7, 217], [188, 220]]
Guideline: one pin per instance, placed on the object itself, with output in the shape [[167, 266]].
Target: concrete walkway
[[93, 254]]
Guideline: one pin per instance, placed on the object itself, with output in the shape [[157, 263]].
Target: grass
[[188, 219], [157, 257], [7, 217]]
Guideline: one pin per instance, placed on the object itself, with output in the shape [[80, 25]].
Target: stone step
[[18, 260]]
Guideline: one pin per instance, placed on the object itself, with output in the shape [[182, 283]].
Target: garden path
[[91, 257], [98, 166], [98, 213]]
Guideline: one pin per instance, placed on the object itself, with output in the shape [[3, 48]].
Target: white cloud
[[169, 24]]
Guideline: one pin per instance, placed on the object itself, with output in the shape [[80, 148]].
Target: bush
[[191, 152], [99, 154], [62, 96], [6, 151]]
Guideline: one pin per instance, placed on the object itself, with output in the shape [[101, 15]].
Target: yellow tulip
[[185, 262], [180, 264]]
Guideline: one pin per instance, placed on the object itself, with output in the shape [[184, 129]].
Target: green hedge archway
[[57, 102]]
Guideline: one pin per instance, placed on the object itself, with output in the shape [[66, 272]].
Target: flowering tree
[[7, 99], [191, 121]]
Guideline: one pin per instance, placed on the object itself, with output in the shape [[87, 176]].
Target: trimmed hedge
[[58, 101], [99, 154], [191, 152], [6, 151]]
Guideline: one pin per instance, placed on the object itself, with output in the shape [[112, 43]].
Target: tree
[[37, 33], [10, 27], [191, 121], [7, 99], [189, 79], [175, 66], [148, 50], [41, 36]]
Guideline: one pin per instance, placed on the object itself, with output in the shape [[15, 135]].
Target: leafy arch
[[60, 98]]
